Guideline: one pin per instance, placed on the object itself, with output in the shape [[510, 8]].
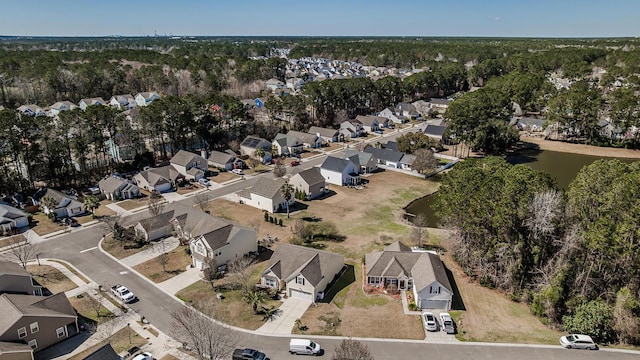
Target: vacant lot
[[176, 262], [51, 278]]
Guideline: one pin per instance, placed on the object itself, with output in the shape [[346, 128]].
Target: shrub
[[271, 219], [266, 216], [592, 318], [413, 306], [280, 222]]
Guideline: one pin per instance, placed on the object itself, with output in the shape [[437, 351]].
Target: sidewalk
[[181, 281], [170, 243], [118, 210], [285, 318]]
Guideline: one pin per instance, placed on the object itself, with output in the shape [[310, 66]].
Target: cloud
[[495, 19]]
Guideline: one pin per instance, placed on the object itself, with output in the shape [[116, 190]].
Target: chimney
[[203, 153]]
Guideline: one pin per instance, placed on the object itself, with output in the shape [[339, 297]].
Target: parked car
[[204, 182], [143, 356], [304, 347], [237, 171], [447, 323], [248, 354], [578, 341], [70, 222], [294, 163], [430, 322], [122, 293]]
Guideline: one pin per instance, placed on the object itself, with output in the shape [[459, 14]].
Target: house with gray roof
[[436, 132], [105, 352], [116, 188], [531, 124], [392, 117], [351, 129], [304, 273], [86, 102], [154, 227], [11, 218], [160, 179], [371, 123], [31, 110], [123, 101], [146, 98], [38, 321], [328, 135], [265, 195], [365, 162], [439, 104], [15, 351], [225, 160], [251, 143], [397, 268], [407, 110], [339, 171], [386, 157], [65, 205], [422, 107], [294, 142], [191, 166], [310, 182], [14, 279], [60, 106]]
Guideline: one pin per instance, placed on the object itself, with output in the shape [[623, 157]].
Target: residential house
[[85, 103], [339, 171], [310, 182], [386, 157], [439, 105], [406, 162], [145, 98], [115, 188], [191, 166], [60, 106], [327, 135], [608, 129], [294, 142], [274, 84], [65, 205], [397, 268], [121, 147], [392, 145], [31, 110], [252, 143], [265, 195], [422, 107], [106, 352], [436, 132], [14, 279], [39, 321], [370, 123], [304, 273], [365, 162], [392, 117], [225, 160], [123, 102], [11, 218], [533, 124], [160, 179], [351, 129], [15, 351], [295, 84], [407, 110], [154, 227]]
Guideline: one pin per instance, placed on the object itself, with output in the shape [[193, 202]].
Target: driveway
[[285, 318], [170, 243]]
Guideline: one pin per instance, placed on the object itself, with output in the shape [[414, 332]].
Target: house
[[106, 352], [370, 123], [154, 228], [365, 162], [65, 205], [15, 351], [123, 102], [160, 179], [422, 107], [407, 110], [436, 132], [252, 143], [145, 98], [608, 129], [295, 84], [327, 135], [310, 182], [397, 268], [14, 279], [294, 142], [265, 195], [31, 110], [439, 105], [304, 273], [274, 84], [85, 103], [39, 321], [532, 124], [224, 160], [391, 116], [191, 166], [351, 128], [339, 171], [11, 218], [60, 106], [406, 162], [386, 157], [115, 188]]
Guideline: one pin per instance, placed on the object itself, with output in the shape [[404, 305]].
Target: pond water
[[562, 166]]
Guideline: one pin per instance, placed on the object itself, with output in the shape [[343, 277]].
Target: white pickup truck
[[122, 293]]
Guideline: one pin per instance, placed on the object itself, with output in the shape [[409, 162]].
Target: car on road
[[237, 171], [578, 341], [204, 182], [430, 322], [248, 354], [447, 323], [304, 347], [143, 356], [294, 163], [122, 293]]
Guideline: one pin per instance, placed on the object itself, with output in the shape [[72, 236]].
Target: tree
[[286, 190], [163, 257], [412, 141], [91, 203], [577, 110], [210, 271], [260, 153], [279, 170], [424, 161], [23, 252], [419, 231], [626, 319], [49, 205], [593, 318], [156, 204], [255, 298], [352, 350], [208, 339], [202, 199], [240, 273]]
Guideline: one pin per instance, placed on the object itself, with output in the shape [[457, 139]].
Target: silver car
[[578, 341], [430, 322]]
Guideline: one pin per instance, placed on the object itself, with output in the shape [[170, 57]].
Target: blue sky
[[502, 18]]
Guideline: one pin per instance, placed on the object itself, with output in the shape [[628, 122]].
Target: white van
[[304, 347]]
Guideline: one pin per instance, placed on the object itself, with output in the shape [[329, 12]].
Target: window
[[300, 280], [60, 332], [34, 327], [22, 332], [199, 248], [34, 344], [270, 282]]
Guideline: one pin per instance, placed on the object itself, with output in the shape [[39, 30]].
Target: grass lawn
[[131, 204], [86, 307], [119, 341], [232, 309], [42, 225], [177, 261], [51, 278], [222, 176], [116, 248], [72, 269], [15, 239]]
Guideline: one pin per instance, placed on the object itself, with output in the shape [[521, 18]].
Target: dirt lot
[[177, 261], [580, 149], [51, 278]]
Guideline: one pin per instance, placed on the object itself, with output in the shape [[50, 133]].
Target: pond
[[562, 166]]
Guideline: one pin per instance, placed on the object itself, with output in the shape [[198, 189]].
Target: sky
[[487, 18]]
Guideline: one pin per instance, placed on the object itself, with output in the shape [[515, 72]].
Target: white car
[[578, 341], [143, 356], [237, 171], [447, 323], [430, 322], [204, 182]]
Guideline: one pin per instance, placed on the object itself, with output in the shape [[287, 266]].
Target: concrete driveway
[[283, 321]]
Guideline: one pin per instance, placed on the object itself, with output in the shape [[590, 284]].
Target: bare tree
[[210, 272], [279, 170], [240, 273], [352, 350], [94, 303], [546, 210], [209, 340], [156, 204], [201, 200], [163, 257], [112, 222], [23, 251], [425, 160], [419, 231]]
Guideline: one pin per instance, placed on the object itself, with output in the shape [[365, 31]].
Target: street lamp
[[129, 331]]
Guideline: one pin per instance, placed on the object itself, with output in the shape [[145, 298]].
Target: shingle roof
[[182, 157], [428, 269], [435, 130], [385, 154], [397, 246], [323, 131], [13, 307], [106, 352], [10, 267], [218, 157], [160, 175], [290, 260], [219, 237], [311, 176], [359, 158], [10, 212], [155, 223], [254, 142], [267, 187], [9, 347], [110, 184], [440, 101], [336, 164], [370, 119], [306, 138], [58, 197]]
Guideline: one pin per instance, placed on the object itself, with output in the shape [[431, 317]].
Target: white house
[[386, 157], [274, 84], [339, 171], [304, 273], [389, 114], [265, 195], [65, 205], [11, 218], [224, 160], [123, 102], [370, 123], [145, 98], [115, 188], [85, 103], [328, 135], [309, 181], [31, 110], [191, 166], [252, 143], [365, 162], [60, 106]]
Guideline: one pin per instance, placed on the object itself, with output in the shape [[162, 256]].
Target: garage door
[[434, 304], [301, 295]]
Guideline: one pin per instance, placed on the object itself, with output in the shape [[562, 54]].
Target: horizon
[[333, 18]]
